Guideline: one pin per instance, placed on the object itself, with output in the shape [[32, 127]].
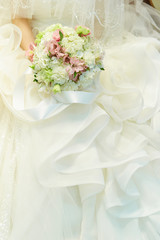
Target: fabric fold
[[91, 170]]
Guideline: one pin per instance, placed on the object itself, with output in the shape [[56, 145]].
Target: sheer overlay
[[109, 18]]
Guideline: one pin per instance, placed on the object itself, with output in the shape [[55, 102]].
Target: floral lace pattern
[[8, 161], [100, 15], [106, 18]]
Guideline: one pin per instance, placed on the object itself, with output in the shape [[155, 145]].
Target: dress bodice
[[108, 18], [95, 14]]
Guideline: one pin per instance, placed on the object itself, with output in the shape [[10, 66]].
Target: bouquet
[[65, 59]]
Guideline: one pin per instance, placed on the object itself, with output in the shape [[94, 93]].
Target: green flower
[[46, 75], [82, 31], [39, 37], [53, 28], [32, 66], [56, 88]]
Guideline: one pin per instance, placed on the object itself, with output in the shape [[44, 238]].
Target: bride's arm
[[27, 35]]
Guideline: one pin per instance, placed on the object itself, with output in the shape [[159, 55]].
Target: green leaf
[[75, 74], [102, 68], [35, 80], [61, 35]]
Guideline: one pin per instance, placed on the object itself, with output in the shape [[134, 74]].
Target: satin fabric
[[90, 172]]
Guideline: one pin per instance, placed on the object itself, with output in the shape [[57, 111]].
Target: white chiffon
[[90, 172]]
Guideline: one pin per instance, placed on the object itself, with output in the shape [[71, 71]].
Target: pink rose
[[76, 68], [56, 35], [54, 49], [30, 52]]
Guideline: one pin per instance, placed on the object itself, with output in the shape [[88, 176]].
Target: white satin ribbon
[[49, 106]]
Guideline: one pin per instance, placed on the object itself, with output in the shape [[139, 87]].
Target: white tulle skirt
[[88, 172]]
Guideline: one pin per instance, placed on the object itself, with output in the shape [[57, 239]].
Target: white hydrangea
[[69, 31], [73, 44], [47, 37], [70, 86], [59, 75], [89, 58], [86, 79]]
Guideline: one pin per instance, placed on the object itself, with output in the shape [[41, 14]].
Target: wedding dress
[[87, 172]]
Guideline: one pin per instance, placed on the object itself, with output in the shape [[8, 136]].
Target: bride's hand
[[27, 35]]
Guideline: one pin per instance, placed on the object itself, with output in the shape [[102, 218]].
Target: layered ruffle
[[131, 97], [46, 150]]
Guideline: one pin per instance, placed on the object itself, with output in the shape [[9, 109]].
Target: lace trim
[[21, 6], [15, 3], [104, 17], [7, 154]]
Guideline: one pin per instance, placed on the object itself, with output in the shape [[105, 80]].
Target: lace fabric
[[7, 177], [108, 19], [12, 8], [105, 14]]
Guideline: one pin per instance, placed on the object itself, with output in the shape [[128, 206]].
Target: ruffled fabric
[[89, 172], [132, 152], [145, 19], [37, 192]]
